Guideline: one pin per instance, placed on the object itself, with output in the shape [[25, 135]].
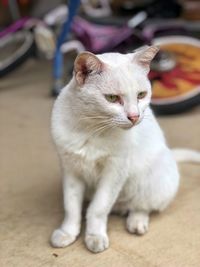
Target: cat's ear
[[86, 64], [145, 55]]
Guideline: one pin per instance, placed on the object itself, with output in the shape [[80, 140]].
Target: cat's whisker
[[147, 117], [101, 121], [98, 122], [93, 118], [101, 128], [94, 126]]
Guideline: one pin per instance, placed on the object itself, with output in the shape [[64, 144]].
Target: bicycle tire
[[186, 100], [175, 108], [19, 56]]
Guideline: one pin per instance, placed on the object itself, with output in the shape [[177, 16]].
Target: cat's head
[[114, 87]]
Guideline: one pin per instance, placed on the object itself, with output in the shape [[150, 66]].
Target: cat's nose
[[133, 117]]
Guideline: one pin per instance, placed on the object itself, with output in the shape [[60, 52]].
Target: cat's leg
[[153, 191], [96, 237], [73, 189], [137, 222]]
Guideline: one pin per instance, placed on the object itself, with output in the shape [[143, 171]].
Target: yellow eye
[[112, 98], [142, 95]]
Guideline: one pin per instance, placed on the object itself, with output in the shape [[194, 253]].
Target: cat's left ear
[[144, 56], [86, 64]]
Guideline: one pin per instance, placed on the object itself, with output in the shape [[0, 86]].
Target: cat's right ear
[[86, 64]]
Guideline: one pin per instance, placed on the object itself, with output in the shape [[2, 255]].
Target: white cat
[[111, 148]]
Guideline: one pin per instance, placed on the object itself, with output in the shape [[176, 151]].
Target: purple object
[[14, 27], [99, 38]]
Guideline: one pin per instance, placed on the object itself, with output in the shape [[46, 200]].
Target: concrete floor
[[31, 196]]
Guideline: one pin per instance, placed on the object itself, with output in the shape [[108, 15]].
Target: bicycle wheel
[[178, 89], [14, 50]]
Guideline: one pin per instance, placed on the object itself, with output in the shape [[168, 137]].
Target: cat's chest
[[88, 160], [91, 151]]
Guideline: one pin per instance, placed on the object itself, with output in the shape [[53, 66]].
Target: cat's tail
[[186, 155]]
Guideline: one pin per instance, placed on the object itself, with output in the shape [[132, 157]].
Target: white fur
[[120, 168], [182, 155]]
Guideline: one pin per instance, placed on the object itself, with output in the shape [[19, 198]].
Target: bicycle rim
[[14, 50]]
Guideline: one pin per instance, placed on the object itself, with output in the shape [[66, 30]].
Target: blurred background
[[57, 30], [39, 41]]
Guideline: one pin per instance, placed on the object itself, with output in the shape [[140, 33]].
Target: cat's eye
[[112, 98], [142, 95]]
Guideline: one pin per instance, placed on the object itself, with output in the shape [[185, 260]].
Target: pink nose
[[133, 117]]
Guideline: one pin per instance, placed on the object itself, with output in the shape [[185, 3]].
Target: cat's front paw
[[60, 239], [137, 223], [97, 243]]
